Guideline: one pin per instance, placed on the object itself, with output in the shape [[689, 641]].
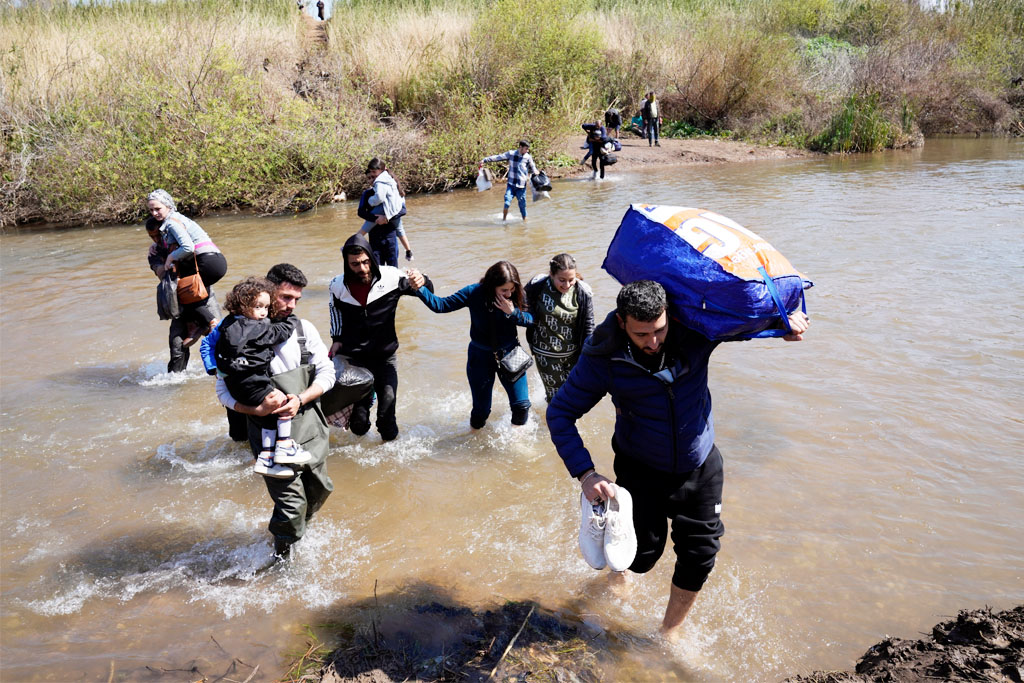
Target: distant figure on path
[[320, 9], [520, 169], [652, 119]]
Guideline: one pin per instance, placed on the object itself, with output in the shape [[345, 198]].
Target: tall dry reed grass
[[239, 104]]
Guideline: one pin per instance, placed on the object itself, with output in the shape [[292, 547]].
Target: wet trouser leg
[[690, 501], [385, 384], [179, 356], [237, 429], [553, 372], [480, 371], [296, 500]]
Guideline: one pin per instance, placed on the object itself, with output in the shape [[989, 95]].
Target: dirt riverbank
[[637, 155], [524, 642]]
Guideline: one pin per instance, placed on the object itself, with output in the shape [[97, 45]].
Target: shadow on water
[[189, 552], [125, 377], [153, 560], [421, 632]]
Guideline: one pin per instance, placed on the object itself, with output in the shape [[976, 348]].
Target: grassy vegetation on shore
[[240, 105]]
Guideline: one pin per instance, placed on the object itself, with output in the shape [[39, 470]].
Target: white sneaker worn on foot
[[291, 453], [619, 535], [592, 533], [266, 466]]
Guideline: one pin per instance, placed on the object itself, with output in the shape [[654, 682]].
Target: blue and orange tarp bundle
[[721, 279]]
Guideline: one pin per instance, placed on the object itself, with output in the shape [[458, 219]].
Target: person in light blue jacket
[[383, 224], [497, 305]]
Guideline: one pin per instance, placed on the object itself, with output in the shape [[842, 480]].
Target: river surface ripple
[[875, 482]]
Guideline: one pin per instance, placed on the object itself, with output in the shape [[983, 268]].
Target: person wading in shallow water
[[656, 371], [191, 249], [520, 169], [362, 306], [301, 373]]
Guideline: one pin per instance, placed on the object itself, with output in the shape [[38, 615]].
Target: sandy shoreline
[[637, 155]]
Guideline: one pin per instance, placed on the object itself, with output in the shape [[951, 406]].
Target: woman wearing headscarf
[[192, 249], [563, 311]]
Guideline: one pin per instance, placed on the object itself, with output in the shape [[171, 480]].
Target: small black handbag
[[512, 364]]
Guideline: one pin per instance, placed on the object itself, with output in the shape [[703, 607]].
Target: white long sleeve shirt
[[287, 356]]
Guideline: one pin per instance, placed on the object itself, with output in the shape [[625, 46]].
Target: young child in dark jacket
[[244, 351]]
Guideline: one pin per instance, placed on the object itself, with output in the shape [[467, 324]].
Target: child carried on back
[[244, 351]]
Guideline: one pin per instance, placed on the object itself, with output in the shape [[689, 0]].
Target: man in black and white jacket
[[363, 302]]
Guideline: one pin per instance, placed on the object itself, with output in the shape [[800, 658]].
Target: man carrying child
[[301, 372]]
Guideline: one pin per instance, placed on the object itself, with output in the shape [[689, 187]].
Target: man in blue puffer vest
[[656, 371]]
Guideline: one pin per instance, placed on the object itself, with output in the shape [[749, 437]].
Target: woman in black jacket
[[563, 311]]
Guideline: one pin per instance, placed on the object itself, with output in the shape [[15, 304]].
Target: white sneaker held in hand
[[619, 535], [592, 532]]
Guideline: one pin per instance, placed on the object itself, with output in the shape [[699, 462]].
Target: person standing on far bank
[[652, 119], [612, 122], [520, 169], [656, 371]]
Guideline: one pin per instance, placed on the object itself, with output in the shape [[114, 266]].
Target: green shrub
[[859, 126]]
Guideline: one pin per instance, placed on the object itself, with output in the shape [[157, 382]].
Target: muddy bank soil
[[522, 642], [978, 645], [636, 154], [519, 641]]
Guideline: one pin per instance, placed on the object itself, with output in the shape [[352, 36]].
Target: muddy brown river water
[[874, 473]]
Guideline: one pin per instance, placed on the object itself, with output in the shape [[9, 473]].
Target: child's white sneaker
[[592, 533], [290, 453], [266, 466], [619, 535]]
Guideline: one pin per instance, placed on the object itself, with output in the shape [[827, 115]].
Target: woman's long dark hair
[[502, 273]]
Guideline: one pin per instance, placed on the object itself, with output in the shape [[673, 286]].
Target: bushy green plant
[[529, 54], [859, 126]]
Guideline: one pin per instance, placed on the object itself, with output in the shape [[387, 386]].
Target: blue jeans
[[399, 230], [520, 194], [480, 370], [652, 127]]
